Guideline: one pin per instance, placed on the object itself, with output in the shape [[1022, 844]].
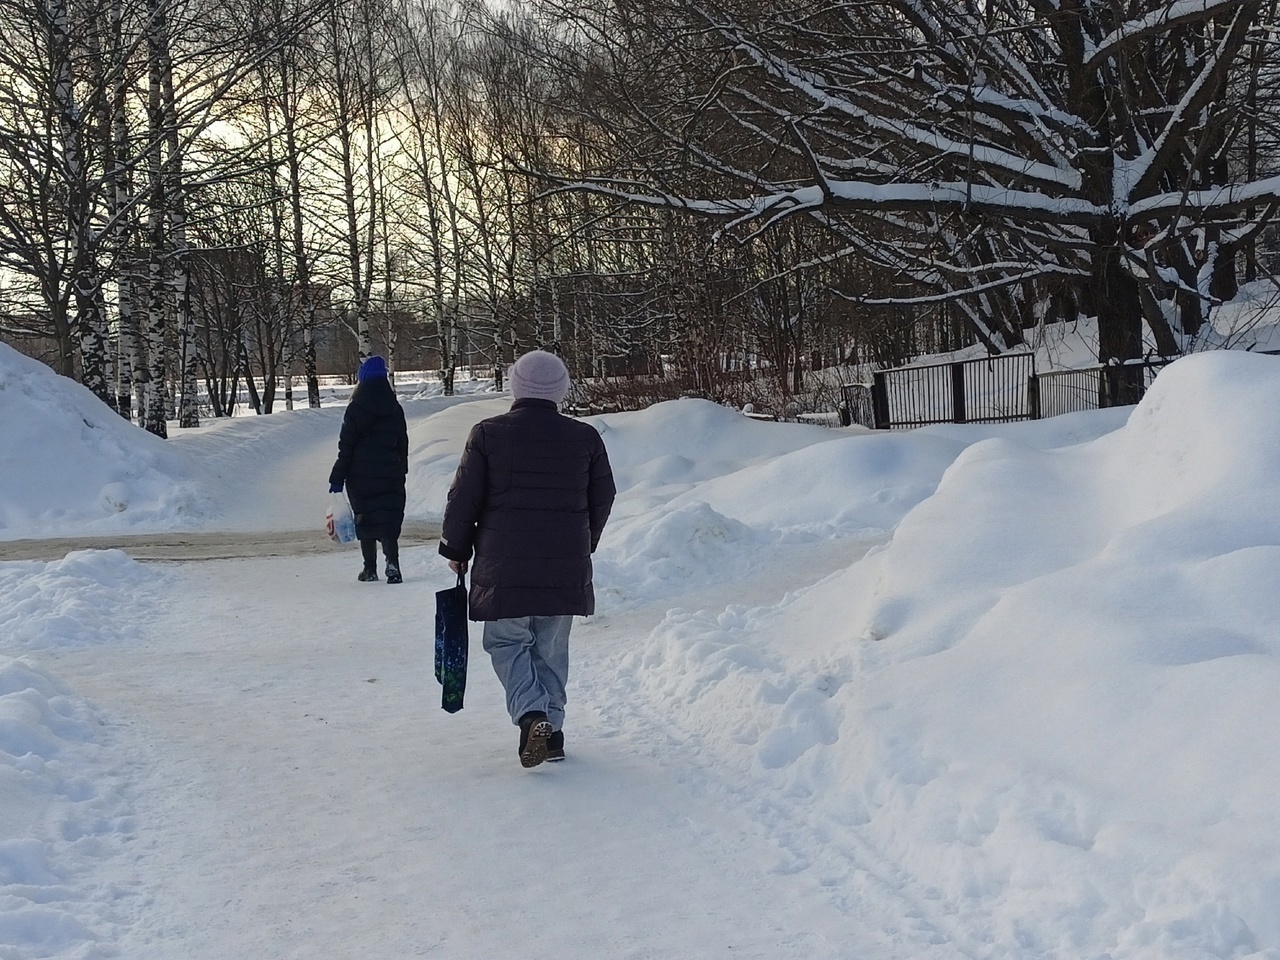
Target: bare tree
[[980, 154], [106, 111], [53, 78], [285, 79], [423, 61], [355, 83]]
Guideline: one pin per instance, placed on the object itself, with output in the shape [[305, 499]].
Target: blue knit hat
[[371, 369]]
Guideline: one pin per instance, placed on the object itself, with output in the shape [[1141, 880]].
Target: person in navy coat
[[373, 462]]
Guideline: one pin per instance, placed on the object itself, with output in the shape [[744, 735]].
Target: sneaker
[[555, 746], [535, 731], [366, 575], [393, 574]]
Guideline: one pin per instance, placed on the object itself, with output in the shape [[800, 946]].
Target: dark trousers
[[390, 550]]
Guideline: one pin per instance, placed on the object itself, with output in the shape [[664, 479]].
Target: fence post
[[1033, 396], [1107, 384], [880, 401], [958, 412]]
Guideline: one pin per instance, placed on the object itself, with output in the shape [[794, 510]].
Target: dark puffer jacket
[[530, 498], [373, 459]]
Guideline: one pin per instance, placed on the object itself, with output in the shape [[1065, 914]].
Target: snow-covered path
[[299, 793], [199, 546], [962, 693]]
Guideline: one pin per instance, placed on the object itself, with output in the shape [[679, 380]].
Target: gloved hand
[[335, 488]]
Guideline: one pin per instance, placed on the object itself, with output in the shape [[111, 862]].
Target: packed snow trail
[[299, 793], [200, 546]]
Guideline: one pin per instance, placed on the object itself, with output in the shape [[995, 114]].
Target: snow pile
[[673, 445], [663, 528], [1250, 321], [435, 447], [62, 814], [272, 472], [656, 454], [86, 597], [1044, 712], [682, 516], [419, 386], [70, 465]]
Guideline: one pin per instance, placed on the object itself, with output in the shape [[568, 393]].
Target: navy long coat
[[373, 459], [530, 500]]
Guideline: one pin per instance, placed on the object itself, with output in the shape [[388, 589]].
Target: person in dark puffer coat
[[373, 461], [530, 500]]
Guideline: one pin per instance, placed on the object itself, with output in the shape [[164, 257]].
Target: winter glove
[[335, 488]]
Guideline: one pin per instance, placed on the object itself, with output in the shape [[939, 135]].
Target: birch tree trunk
[[98, 354], [108, 362], [156, 326], [391, 331], [121, 213], [89, 325]]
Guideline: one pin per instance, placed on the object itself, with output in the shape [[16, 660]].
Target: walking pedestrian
[[529, 502], [373, 461]]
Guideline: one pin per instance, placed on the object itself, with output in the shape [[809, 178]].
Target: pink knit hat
[[539, 375]]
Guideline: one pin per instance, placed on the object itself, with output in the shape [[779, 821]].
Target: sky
[[1000, 691]]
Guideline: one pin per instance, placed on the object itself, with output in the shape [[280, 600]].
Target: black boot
[[535, 731], [369, 551], [391, 550], [555, 746]]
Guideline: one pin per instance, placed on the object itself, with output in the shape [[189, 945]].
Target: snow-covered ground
[[963, 692]]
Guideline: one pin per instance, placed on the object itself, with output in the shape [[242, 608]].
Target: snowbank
[[64, 814], [690, 512], [86, 597], [70, 465], [1047, 705], [1250, 321], [435, 447], [63, 784]]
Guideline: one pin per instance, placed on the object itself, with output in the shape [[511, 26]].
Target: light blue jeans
[[531, 658]]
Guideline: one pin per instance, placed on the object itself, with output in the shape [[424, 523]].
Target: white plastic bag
[[339, 521]]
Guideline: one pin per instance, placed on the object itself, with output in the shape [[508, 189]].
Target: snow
[[1250, 321], [110, 476], [863, 195], [1161, 17], [966, 691], [1234, 195]]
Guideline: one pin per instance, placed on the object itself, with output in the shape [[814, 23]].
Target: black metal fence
[[986, 390], [994, 390], [1093, 388], [857, 406]]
